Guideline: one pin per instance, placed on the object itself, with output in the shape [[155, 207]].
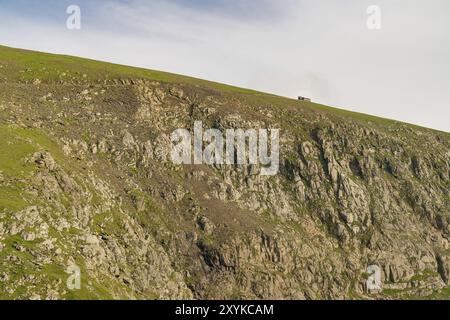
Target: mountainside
[[86, 180]]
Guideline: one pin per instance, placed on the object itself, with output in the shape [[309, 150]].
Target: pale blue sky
[[316, 48]]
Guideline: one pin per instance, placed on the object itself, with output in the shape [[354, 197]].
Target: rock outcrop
[[86, 180]]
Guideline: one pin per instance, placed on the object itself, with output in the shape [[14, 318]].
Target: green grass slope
[[24, 66]]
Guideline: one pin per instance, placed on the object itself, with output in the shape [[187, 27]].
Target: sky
[[322, 49]]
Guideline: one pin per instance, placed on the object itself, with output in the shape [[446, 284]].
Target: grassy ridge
[[17, 65], [50, 67]]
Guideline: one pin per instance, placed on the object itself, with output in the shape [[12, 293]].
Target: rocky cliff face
[[86, 180]]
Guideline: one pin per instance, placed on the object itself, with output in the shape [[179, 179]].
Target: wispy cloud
[[321, 49]]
